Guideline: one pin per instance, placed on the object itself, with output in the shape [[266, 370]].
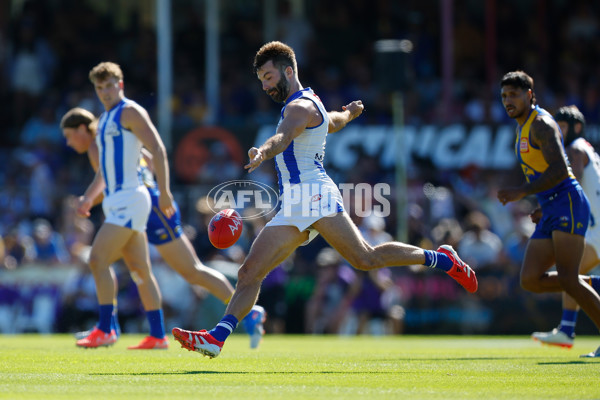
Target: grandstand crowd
[[44, 64]]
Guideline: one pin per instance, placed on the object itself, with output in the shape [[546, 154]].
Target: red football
[[225, 228]]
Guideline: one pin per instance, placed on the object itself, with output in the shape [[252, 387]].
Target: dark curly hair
[[281, 54], [571, 115], [519, 79]]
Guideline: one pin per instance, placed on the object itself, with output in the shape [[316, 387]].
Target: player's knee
[[97, 262], [194, 276], [531, 283], [248, 274], [365, 261], [570, 284], [140, 272]]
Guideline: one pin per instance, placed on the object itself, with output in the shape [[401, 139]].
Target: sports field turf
[[302, 367]]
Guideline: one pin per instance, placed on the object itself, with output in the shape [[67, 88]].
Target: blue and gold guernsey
[[302, 160], [564, 206], [119, 151], [531, 158], [160, 228]]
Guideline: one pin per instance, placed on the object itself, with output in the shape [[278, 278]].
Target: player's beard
[[280, 92]]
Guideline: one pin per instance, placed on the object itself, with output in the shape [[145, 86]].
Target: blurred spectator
[[42, 127], [13, 202], [18, 249], [31, 64], [79, 302], [41, 184], [447, 231], [418, 232], [78, 232], [582, 25], [479, 246], [372, 228], [376, 298], [49, 245], [516, 242], [219, 167], [295, 29], [331, 299]]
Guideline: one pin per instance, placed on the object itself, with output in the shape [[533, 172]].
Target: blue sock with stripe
[[435, 259], [157, 323], [224, 328], [105, 311], [567, 322]]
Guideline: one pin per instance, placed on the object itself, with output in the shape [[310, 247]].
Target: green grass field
[[302, 367]]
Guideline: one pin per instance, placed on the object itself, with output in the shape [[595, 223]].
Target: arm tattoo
[[546, 136]]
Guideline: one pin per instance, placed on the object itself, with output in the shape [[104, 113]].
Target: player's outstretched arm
[[339, 119], [298, 115]]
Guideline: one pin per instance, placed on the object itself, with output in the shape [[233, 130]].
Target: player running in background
[[165, 233], [122, 130], [558, 238], [311, 202], [585, 163]]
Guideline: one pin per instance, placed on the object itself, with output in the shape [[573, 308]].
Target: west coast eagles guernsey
[[564, 206], [302, 161], [532, 160], [119, 151]]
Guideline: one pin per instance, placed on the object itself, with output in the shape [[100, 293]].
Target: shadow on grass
[[566, 363], [437, 359], [245, 372]]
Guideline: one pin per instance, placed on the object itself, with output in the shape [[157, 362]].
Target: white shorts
[[592, 238], [305, 203], [128, 208]]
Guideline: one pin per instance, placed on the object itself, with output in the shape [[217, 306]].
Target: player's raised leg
[[341, 233]]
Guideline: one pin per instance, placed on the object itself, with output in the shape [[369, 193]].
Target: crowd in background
[[44, 64]]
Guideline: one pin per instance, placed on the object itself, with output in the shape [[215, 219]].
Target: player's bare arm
[[94, 157], [147, 156], [298, 115], [577, 158], [86, 202], [137, 120], [546, 136], [339, 119]]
